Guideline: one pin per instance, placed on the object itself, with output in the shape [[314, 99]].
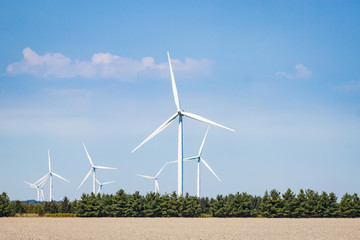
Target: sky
[[284, 74]]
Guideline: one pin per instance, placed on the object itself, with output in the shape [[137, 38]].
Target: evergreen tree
[[290, 204], [65, 205], [6, 209]]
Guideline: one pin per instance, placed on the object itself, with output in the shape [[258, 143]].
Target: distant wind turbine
[[92, 170], [157, 189], [179, 113], [101, 185], [49, 175], [199, 159], [39, 189]]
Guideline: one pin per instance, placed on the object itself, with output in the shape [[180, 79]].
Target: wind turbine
[[199, 159], [179, 113], [49, 175], [101, 185], [39, 189], [92, 170], [157, 189]]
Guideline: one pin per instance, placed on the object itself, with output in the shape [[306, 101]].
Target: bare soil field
[[177, 228]]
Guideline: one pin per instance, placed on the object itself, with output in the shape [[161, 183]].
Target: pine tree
[[6, 209]]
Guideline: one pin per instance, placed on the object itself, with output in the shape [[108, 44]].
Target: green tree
[[6, 209], [290, 203], [65, 205], [19, 207]]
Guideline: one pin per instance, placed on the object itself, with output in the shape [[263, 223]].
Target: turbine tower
[[101, 185], [199, 159], [179, 113], [157, 189], [49, 175], [92, 170]]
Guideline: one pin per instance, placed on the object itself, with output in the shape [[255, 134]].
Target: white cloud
[[301, 72], [352, 86], [104, 65]]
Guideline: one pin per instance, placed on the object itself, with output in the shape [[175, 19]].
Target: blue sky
[[284, 74]]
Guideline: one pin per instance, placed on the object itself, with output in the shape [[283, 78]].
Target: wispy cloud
[[351, 86], [301, 72], [104, 65]]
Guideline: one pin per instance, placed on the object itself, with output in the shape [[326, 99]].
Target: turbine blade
[[173, 84], [102, 167], [191, 158], [31, 185], [172, 162], [207, 165], [159, 129], [203, 142], [202, 119], [98, 191], [160, 170], [49, 160], [97, 181], [41, 184], [145, 176], [108, 182], [57, 175], [87, 175], [88, 155], [41, 179]]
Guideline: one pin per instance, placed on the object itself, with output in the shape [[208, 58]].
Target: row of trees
[[272, 204]]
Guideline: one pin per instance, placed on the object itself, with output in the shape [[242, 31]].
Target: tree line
[[273, 204]]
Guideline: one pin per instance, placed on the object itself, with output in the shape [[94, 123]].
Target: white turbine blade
[[41, 179], [172, 162], [102, 167], [88, 155], [202, 119], [173, 84], [49, 160], [98, 190], [108, 182], [203, 142], [97, 181], [191, 158], [57, 175], [30, 184], [207, 165], [87, 175], [145, 176], [160, 170], [159, 129], [41, 184]]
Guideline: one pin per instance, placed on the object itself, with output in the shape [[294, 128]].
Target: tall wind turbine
[[92, 170], [101, 185], [199, 159], [157, 189], [49, 175], [179, 113]]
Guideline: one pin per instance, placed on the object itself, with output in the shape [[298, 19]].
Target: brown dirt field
[[178, 228]]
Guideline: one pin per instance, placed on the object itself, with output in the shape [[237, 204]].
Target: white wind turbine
[[199, 159], [179, 113], [35, 187], [157, 189], [92, 170], [49, 175], [39, 188], [101, 185]]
